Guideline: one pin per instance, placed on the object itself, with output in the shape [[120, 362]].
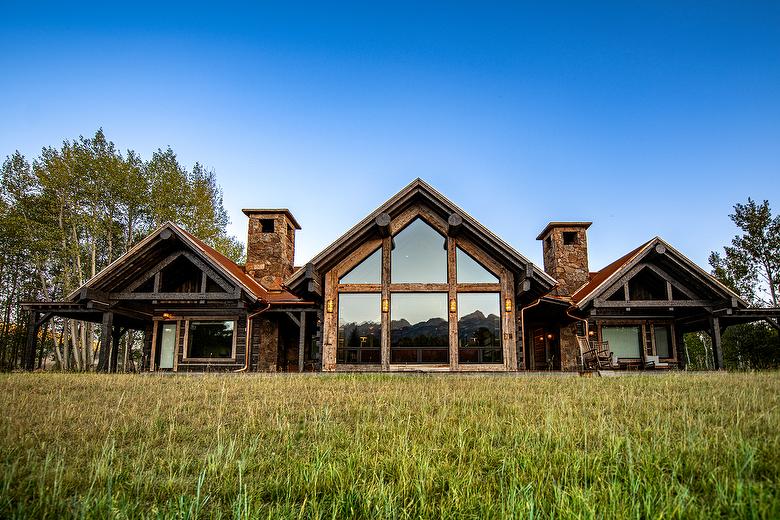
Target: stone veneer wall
[[570, 350], [265, 348], [270, 256], [566, 263]]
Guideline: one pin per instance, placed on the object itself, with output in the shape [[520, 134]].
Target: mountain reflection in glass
[[367, 271], [419, 255], [360, 329], [479, 328], [471, 271], [419, 331]]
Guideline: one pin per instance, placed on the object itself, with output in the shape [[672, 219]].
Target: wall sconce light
[[591, 333], [508, 305], [329, 306], [385, 305], [453, 305], [167, 315], [550, 336]]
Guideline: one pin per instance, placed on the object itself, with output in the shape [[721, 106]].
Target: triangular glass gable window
[[419, 255], [367, 271], [471, 271]]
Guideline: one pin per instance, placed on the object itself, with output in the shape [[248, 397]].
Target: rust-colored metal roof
[[599, 277], [259, 291]]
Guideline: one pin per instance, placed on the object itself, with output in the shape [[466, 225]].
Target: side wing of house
[[197, 310], [643, 303]]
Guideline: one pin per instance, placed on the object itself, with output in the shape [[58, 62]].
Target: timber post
[[717, 349], [116, 334], [301, 340], [106, 336], [28, 360]]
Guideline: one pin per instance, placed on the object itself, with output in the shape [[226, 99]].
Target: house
[[417, 285]]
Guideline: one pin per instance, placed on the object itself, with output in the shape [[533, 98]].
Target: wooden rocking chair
[[595, 355]]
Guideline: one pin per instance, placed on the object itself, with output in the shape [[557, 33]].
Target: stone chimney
[[270, 245], [565, 250]]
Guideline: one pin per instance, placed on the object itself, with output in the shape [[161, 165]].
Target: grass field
[[680, 446]]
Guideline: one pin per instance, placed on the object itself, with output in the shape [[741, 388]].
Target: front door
[[166, 345]]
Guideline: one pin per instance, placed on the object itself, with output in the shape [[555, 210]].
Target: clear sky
[[649, 118]]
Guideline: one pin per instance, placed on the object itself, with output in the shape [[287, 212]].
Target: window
[[419, 330], [266, 225], [470, 271], [625, 342], [570, 238], [479, 328], [367, 271], [360, 329], [419, 255], [211, 339], [407, 303], [663, 341]]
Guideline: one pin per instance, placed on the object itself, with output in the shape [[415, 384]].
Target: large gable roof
[[601, 280], [420, 191], [140, 257]]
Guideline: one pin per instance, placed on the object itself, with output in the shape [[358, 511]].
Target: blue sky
[[648, 118]]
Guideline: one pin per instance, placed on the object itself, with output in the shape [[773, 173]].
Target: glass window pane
[[471, 271], [360, 329], [367, 271], [479, 328], [623, 341], [419, 255], [166, 344], [210, 339], [663, 342], [419, 330]]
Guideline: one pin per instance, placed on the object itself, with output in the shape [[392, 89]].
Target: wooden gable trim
[[443, 208], [205, 270], [674, 256], [626, 278]]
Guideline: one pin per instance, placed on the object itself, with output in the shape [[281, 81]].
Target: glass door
[[166, 345]]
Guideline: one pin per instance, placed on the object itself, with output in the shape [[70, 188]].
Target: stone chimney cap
[[553, 225], [285, 211]]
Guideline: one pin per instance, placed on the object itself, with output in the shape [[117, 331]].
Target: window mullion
[[452, 294]]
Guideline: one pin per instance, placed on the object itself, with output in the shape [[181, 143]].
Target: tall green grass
[[679, 446]]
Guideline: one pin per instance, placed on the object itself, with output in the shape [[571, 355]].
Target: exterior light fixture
[[550, 336], [329, 306], [591, 333], [508, 305], [453, 305], [167, 315], [385, 305]]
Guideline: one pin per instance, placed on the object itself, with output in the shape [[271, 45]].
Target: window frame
[[647, 330], [503, 286], [481, 349], [186, 342], [359, 350]]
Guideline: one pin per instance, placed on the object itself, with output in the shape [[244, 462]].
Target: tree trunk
[[58, 347]]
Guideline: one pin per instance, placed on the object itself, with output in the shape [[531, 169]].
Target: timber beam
[[454, 225], [312, 277], [652, 303], [382, 223]]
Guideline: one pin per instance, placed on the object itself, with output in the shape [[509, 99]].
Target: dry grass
[[97, 446]]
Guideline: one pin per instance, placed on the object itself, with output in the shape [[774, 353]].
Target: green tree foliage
[[751, 267], [78, 207]]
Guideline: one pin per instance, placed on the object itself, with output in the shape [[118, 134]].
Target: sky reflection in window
[[419, 255]]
